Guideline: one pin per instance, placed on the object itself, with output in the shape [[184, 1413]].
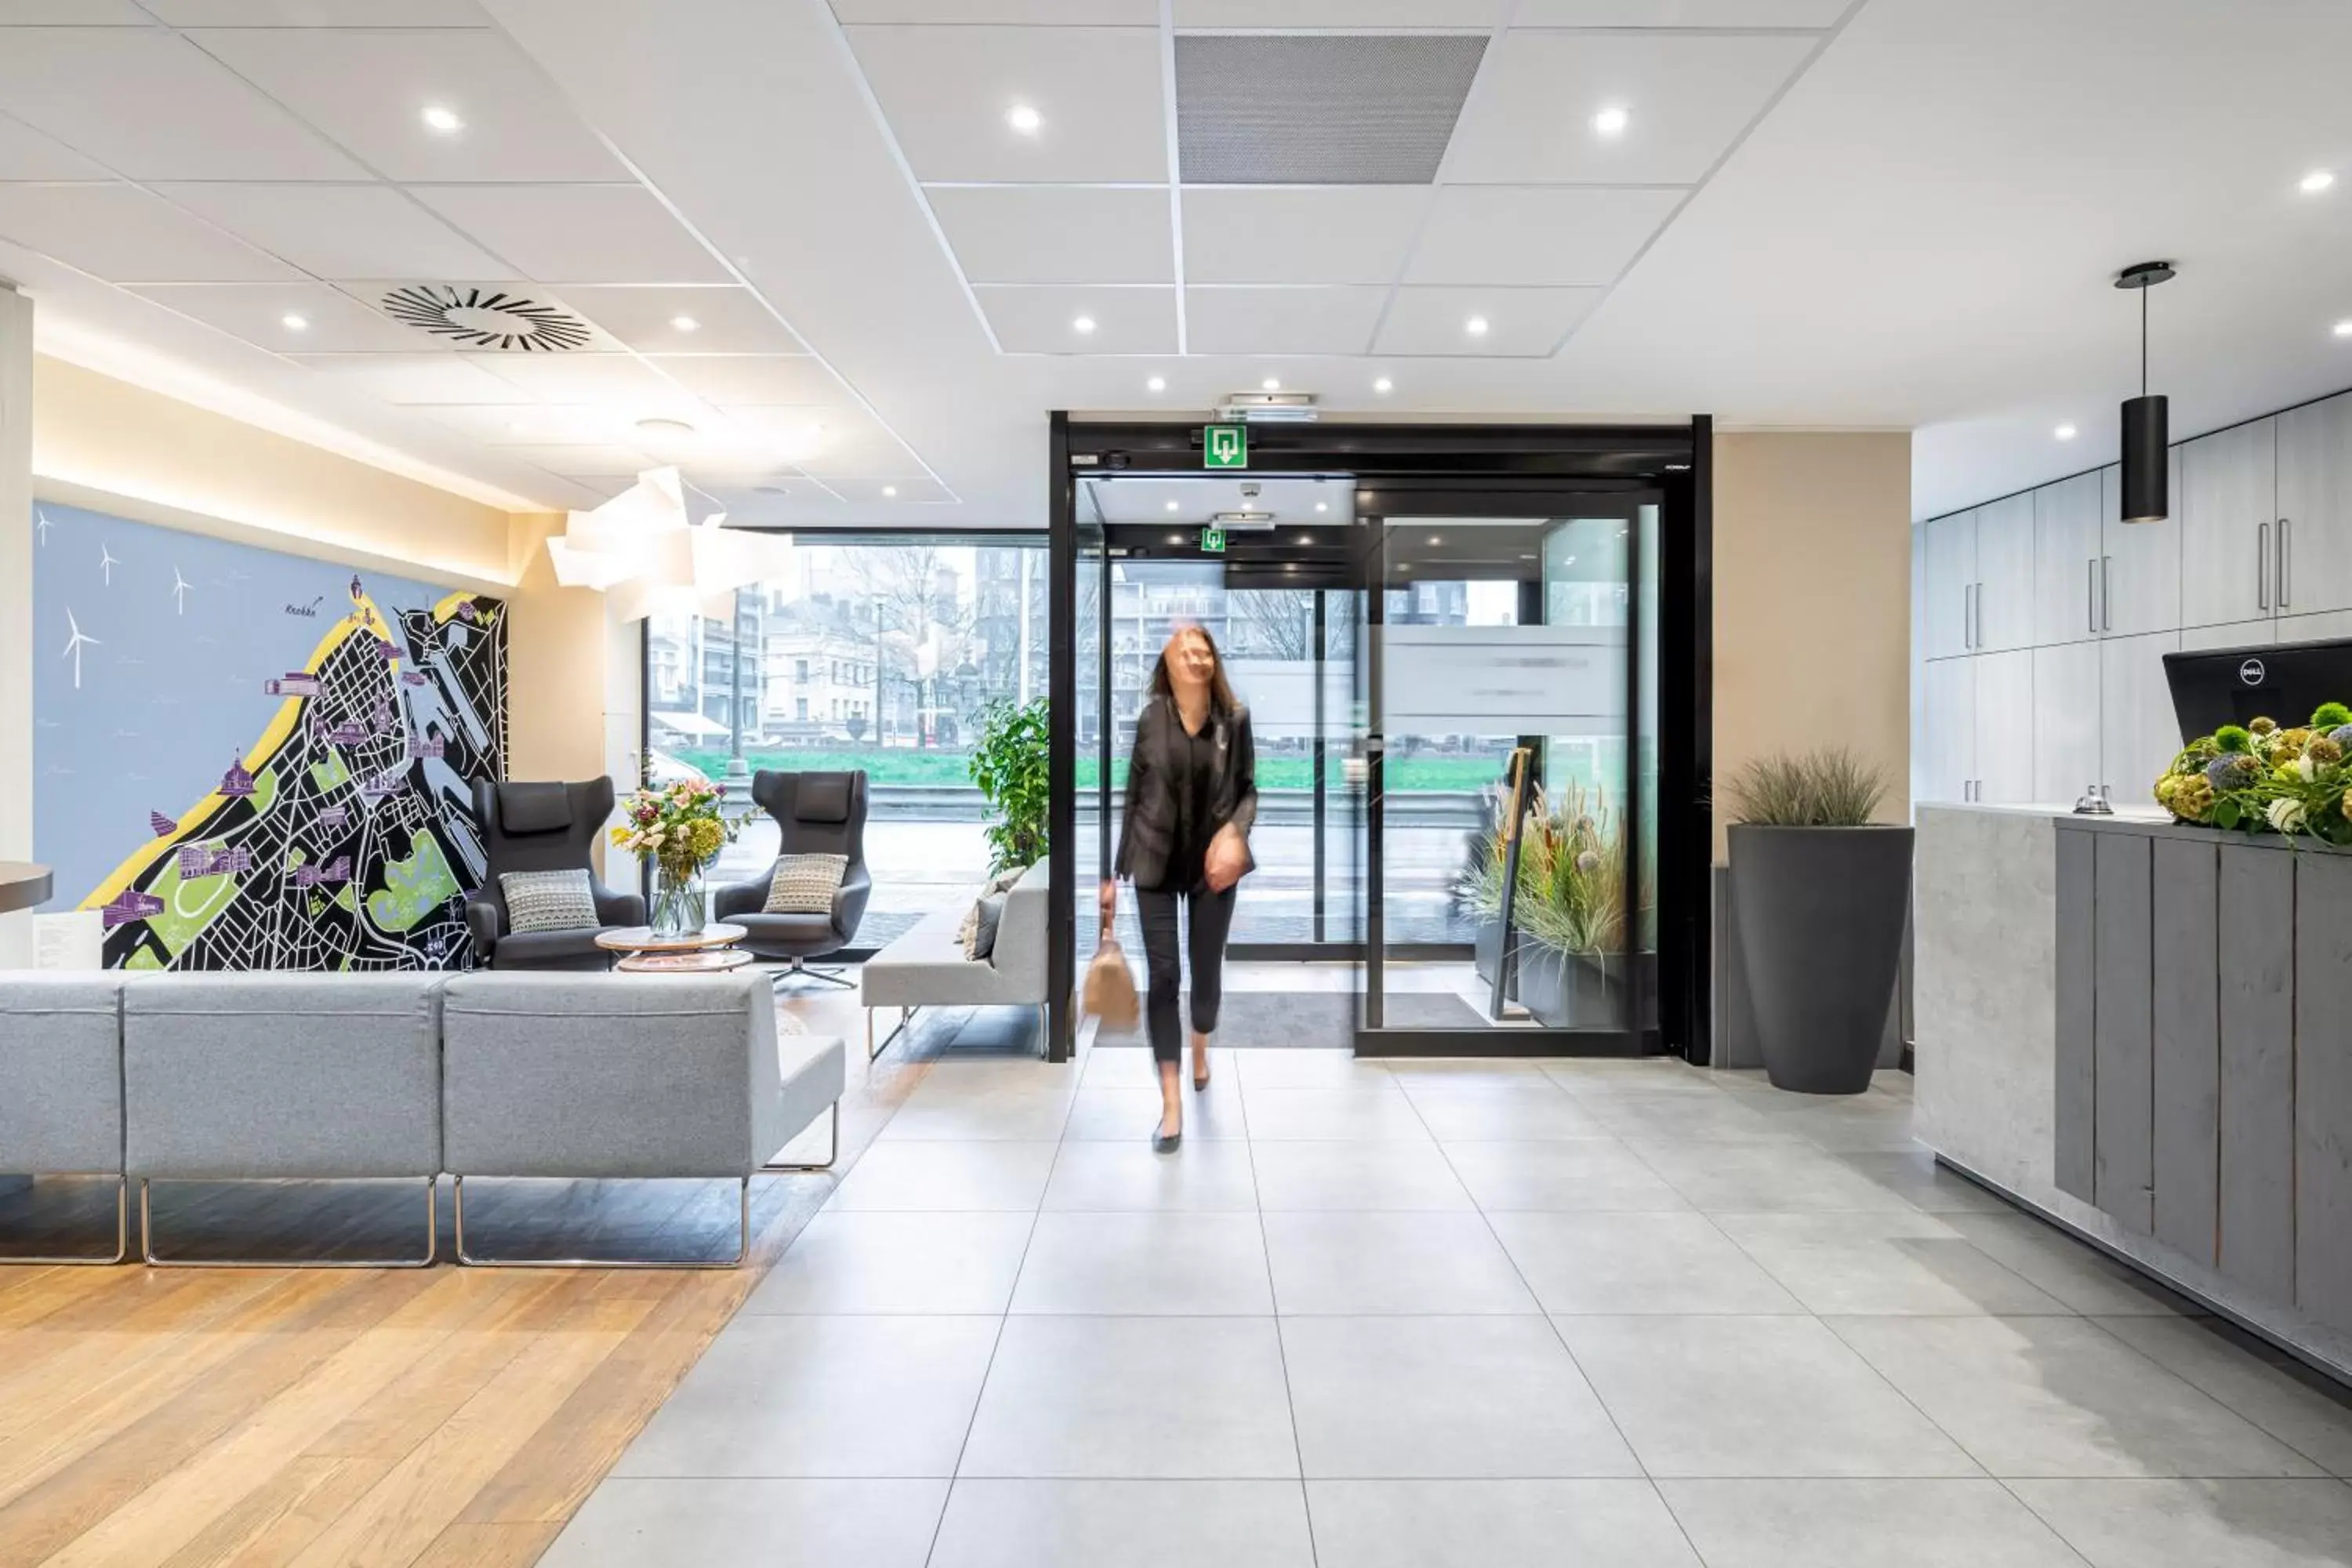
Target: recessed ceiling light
[[1530, 555], [1322, 506], [294, 323], [2344, 329], [1384, 384], [1175, 539], [1084, 323], [1025, 119], [665, 427], [684, 324], [443, 119], [1173, 507], [1475, 326], [1290, 566], [2317, 181], [890, 489], [1271, 383], [1610, 121], [1438, 539], [2064, 432], [1157, 384], [1306, 538]]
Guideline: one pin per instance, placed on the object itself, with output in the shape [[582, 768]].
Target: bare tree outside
[[911, 598], [1274, 623]]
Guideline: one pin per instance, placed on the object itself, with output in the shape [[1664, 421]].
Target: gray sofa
[[927, 968], [61, 1086]]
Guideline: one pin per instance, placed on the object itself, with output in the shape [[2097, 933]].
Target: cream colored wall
[[1813, 602], [16, 607]]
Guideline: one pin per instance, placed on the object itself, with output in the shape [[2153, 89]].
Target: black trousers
[[1208, 917]]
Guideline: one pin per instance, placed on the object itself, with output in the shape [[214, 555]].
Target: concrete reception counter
[[2144, 1032]]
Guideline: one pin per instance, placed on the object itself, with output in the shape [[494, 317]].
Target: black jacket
[[1147, 835]]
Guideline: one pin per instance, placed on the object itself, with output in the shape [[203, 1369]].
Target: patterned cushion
[[804, 884], [548, 901], [986, 916]]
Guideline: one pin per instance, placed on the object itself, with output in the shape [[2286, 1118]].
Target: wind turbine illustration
[[106, 564], [41, 521], [74, 646], [180, 586]]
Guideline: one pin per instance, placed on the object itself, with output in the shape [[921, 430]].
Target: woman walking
[[1191, 797]]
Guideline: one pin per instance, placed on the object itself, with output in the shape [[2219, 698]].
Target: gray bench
[[61, 1086], [927, 968]]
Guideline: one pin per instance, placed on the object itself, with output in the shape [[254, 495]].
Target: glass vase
[[678, 905]]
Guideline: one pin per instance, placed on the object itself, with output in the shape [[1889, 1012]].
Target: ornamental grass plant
[[1826, 787]]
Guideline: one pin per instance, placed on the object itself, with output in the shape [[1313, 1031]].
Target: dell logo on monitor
[[2252, 672]]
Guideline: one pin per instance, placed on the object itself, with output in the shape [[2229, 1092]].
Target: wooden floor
[[367, 1417]]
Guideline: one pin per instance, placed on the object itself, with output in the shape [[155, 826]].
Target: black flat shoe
[[1165, 1143], [1200, 1084]]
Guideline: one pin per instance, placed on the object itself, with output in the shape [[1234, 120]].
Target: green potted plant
[[1570, 963], [1011, 766], [1821, 894]]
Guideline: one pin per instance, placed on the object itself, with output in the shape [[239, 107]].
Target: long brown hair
[[1221, 695]]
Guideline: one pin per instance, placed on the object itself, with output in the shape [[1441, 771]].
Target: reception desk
[[2145, 1031]]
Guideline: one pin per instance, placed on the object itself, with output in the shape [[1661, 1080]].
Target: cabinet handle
[[2286, 560], [2107, 594], [2263, 566], [1979, 642], [2090, 595]]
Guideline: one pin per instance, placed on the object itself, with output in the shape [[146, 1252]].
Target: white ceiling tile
[[1521, 322], [899, 490], [340, 231], [1036, 13], [593, 462], [1057, 233], [28, 154], [602, 487], [369, 92], [151, 106], [585, 378], [1678, 12], [946, 91], [1320, 234], [751, 380], [1294, 321], [726, 321], [577, 234], [1044, 320], [123, 235], [545, 425], [73, 13], [1536, 234], [319, 13], [1455, 16], [798, 432], [332, 321], [418, 378], [773, 500], [1688, 97]]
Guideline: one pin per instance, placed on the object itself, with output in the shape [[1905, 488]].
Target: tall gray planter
[[1821, 929]]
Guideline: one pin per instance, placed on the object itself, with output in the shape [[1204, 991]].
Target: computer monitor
[[2281, 681]]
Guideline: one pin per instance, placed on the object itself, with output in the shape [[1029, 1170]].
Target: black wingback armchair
[[818, 814], [543, 827]]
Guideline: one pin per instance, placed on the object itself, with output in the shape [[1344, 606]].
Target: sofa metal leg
[[122, 1237], [906, 1016], [432, 1243], [742, 1245], [832, 1153]]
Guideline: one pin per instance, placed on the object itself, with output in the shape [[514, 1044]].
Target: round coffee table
[[710, 950]]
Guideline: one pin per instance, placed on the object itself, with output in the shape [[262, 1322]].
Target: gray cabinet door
[[2004, 607], [2066, 757], [2138, 736], [2186, 1128], [2315, 503], [1952, 582], [2004, 727], [2323, 1090], [1949, 758], [2123, 1023], [2139, 563], [2066, 560], [2227, 507], [2237, 633], [2255, 1012]]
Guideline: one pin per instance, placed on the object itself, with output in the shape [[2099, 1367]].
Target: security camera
[[1249, 492]]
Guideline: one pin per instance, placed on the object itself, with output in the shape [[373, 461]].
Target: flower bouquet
[[2260, 778], [681, 829]]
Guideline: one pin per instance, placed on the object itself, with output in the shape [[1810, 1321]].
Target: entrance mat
[[1307, 1020]]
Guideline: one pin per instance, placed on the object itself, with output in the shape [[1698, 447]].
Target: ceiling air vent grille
[[1319, 109], [498, 320]]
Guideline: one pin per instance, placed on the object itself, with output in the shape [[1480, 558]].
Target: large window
[[869, 653]]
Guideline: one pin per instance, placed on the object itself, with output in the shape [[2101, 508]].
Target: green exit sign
[[1213, 540], [1224, 446]]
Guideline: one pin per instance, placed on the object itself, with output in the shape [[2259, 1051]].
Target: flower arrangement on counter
[[680, 827], [2259, 777]]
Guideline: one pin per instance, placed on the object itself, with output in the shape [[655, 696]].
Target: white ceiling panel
[[894, 490], [1323, 233], [123, 235], [543, 424], [369, 92], [725, 321], [319, 13], [1044, 321], [1353, 15], [1689, 99], [1057, 233], [151, 106], [73, 13], [750, 379], [1036, 13], [1536, 234], [946, 92], [28, 154], [340, 231], [578, 233], [1677, 13], [418, 378], [795, 433], [593, 462], [332, 321], [1293, 320], [1521, 322], [586, 378], [752, 496]]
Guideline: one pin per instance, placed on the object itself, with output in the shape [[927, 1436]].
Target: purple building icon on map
[[128, 906], [202, 860], [293, 683], [426, 746], [237, 784], [349, 732], [412, 677], [163, 825], [335, 817], [338, 870]]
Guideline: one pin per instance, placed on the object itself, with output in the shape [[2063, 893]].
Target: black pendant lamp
[[2145, 497]]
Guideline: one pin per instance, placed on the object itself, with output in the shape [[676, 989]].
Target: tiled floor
[[1479, 1314]]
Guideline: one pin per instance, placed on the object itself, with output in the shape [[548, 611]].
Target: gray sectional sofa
[[927, 968], [401, 1076]]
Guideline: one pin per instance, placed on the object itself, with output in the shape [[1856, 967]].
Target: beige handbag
[[1110, 984]]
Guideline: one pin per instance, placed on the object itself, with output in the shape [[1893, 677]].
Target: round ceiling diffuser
[[492, 319]]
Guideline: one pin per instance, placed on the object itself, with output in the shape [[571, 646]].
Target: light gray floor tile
[[1599, 1076], [1132, 1115], [1203, 1175], [2058, 1396], [1131, 1067], [1561, 1175], [851, 1261], [882, 1396], [1756, 1396], [1308, 1069], [1626, 1263], [1377, 1263], [1819, 1523], [1535, 1109], [2198, 1524], [1488, 1396], [1913, 1176], [959, 1102], [1683, 1117], [1190, 1264], [1493, 1525], [1128, 1524], [925, 1177], [1875, 1263], [2298, 1407], [1377, 1112], [1858, 1124], [2084, 1278], [1137, 1398], [1464, 1072], [1728, 1177], [628, 1523], [1355, 1175]]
